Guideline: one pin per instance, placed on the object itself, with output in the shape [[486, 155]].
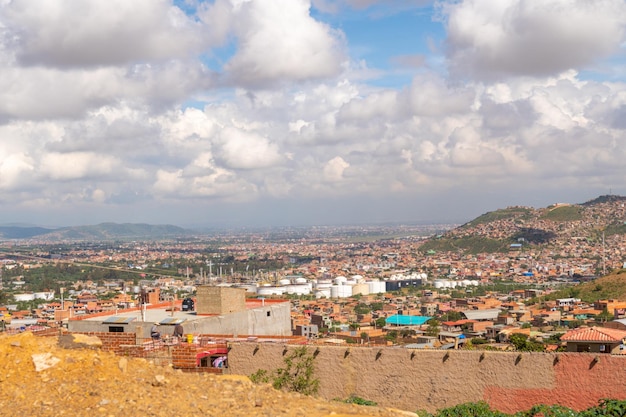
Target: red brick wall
[[112, 341], [184, 356]]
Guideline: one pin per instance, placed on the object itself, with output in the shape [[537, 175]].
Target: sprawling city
[[313, 208], [517, 279]]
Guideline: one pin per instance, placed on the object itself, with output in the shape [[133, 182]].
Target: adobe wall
[[431, 380]]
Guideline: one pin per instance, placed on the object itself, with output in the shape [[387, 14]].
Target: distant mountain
[[22, 232], [497, 230], [103, 231]]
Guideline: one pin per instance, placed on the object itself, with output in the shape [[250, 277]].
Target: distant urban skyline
[[298, 112]]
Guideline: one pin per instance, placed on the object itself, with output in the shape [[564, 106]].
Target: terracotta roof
[[594, 334]]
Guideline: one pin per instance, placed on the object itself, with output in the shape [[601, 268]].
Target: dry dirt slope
[[38, 377]]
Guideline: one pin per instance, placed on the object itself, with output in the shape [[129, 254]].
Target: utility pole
[[603, 255]]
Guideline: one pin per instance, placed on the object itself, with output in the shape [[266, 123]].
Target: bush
[[296, 376], [353, 399]]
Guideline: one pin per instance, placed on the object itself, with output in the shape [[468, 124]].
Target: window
[[269, 313], [116, 329]]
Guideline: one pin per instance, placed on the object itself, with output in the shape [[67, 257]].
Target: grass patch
[[564, 214], [502, 214]]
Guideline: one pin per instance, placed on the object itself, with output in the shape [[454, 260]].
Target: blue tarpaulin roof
[[407, 320]]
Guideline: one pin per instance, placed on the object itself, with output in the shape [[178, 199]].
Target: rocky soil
[[44, 376]]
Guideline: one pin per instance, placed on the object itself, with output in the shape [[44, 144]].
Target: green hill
[[612, 286], [564, 213], [501, 214], [527, 227]]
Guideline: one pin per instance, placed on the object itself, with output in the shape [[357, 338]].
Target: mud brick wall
[[435, 379]]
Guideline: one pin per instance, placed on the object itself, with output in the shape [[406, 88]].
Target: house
[[594, 339], [310, 331], [482, 315]]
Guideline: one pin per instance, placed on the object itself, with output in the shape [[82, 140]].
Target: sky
[[307, 112]]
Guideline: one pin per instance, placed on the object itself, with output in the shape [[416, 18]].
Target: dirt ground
[[39, 377]]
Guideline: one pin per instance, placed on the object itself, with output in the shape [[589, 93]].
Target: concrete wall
[[432, 380], [266, 320], [254, 321]]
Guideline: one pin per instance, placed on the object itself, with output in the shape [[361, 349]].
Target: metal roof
[[488, 314], [118, 320], [407, 320], [172, 321]]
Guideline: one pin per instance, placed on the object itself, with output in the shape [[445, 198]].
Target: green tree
[[392, 335], [362, 308], [376, 306], [433, 328], [604, 316], [525, 344], [451, 316], [380, 322], [297, 375]]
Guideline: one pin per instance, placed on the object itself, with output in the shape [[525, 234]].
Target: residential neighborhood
[[344, 285]]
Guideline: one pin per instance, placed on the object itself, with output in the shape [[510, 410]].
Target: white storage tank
[[252, 288], [284, 281], [344, 291], [377, 287], [301, 280], [298, 289], [271, 290], [340, 280], [24, 297], [439, 283], [47, 295], [362, 289], [322, 293], [324, 284], [334, 291]]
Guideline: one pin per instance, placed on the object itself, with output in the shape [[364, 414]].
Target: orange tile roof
[[594, 334]]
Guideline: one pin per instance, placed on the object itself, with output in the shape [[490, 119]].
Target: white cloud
[[247, 150], [278, 41], [118, 130], [98, 196], [13, 169], [497, 38], [77, 165], [98, 33], [334, 169]]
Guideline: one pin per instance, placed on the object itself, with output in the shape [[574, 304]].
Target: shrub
[[297, 374]]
